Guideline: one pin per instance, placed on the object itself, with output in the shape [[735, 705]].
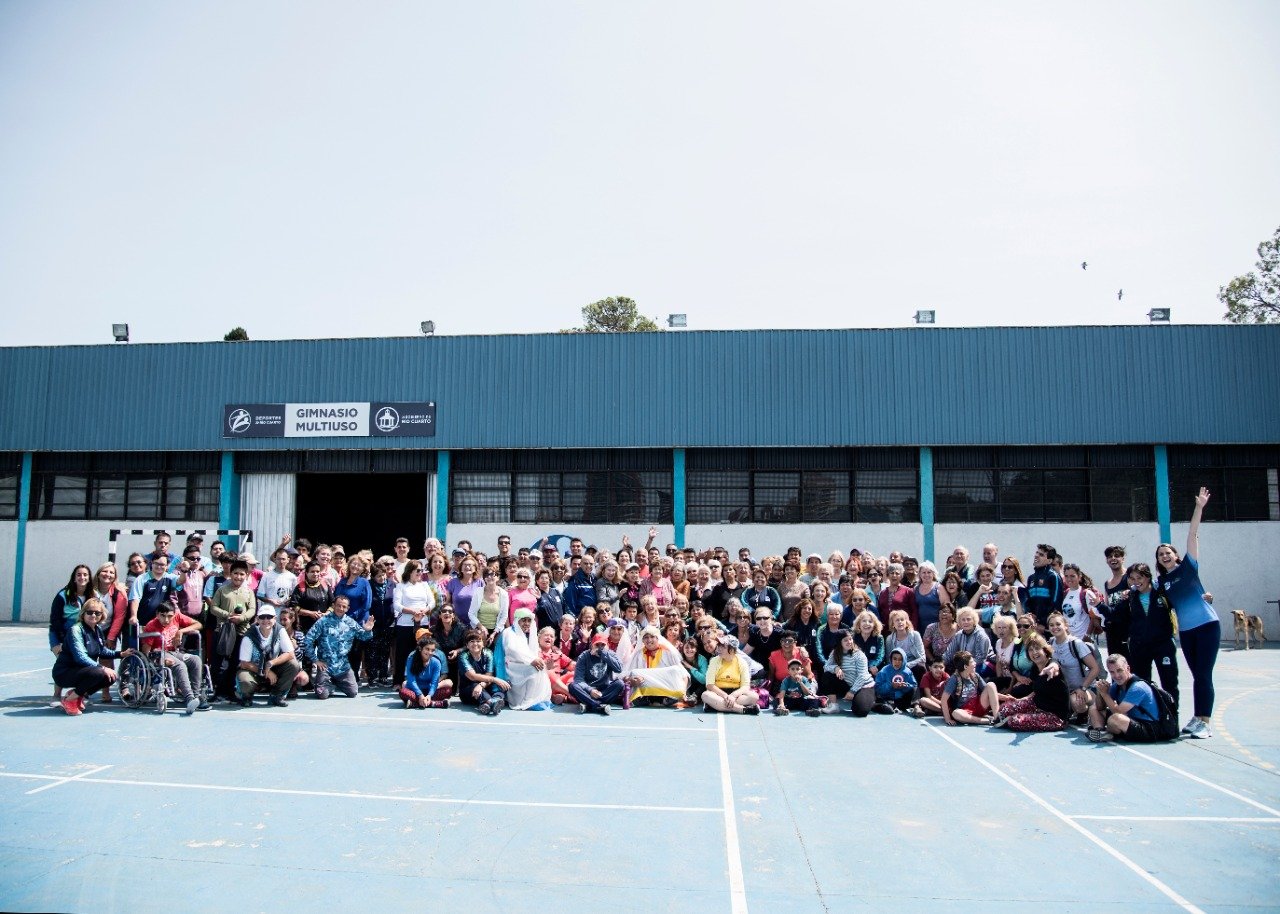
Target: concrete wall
[[8, 550], [606, 536], [773, 539], [1235, 566], [1079, 543], [54, 547]]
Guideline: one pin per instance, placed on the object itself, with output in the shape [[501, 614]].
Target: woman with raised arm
[[1198, 627]]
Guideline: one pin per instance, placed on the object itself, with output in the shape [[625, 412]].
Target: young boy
[[932, 685], [798, 692], [480, 687], [895, 684]]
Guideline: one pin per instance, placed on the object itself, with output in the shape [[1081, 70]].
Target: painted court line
[[737, 887], [1258, 819], [1200, 780], [39, 669], [78, 777], [1070, 822], [85, 778]]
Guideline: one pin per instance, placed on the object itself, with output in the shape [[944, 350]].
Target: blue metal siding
[[771, 388]]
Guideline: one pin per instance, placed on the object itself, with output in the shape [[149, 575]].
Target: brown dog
[[1247, 625]]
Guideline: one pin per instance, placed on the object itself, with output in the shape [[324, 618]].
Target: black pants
[[406, 644], [83, 680], [1165, 658]]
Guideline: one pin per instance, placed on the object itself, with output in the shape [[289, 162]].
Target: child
[[559, 666], [798, 692], [967, 697], [481, 687], [932, 686], [895, 684]]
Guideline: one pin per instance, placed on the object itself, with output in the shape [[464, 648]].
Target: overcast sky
[[343, 169]]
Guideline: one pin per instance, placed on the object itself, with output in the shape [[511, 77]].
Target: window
[[1043, 484], [802, 485], [534, 487], [1242, 481], [148, 486], [10, 477]]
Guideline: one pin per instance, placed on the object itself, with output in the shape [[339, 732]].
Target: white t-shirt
[[1075, 606], [276, 586]]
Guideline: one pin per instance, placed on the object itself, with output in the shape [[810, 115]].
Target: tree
[[235, 335], [613, 315], [1254, 298]]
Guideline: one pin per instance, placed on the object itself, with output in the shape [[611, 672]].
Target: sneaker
[[203, 706], [812, 712], [603, 710], [1001, 723], [1202, 732], [831, 707], [278, 702], [1100, 736], [751, 710], [1191, 726], [71, 704], [682, 705], [582, 709], [192, 704], [781, 711], [917, 712]]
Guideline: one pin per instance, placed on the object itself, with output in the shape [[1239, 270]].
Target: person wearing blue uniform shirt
[[1198, 627]]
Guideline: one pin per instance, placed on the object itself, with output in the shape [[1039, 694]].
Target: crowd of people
[[987, 642]]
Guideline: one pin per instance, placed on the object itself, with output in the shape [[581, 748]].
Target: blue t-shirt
[[1140, 694], [1186, 593]]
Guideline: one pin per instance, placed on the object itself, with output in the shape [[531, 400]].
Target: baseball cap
[[598, 638]]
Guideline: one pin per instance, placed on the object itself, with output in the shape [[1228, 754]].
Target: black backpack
[[1167, 722]]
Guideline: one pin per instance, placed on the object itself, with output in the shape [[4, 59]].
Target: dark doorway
[[363, 510]]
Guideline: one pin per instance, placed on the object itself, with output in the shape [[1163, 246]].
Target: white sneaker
[[1201, 732], [192, 704], [1193, 727]]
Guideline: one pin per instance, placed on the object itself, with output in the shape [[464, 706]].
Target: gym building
[[916, 439]]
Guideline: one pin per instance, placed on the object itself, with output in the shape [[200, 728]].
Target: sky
[[326, 169]]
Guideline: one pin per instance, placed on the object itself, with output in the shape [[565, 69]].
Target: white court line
[[1200, 780], [1261, 819], [336, 795], [39, 669], [737, 888], [1068, 820], [78, 777]]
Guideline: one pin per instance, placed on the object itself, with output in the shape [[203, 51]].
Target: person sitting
[[654, 673], [78, 666], [595, 678], [519, 661], [1128, 710], [559, 666], [329, 644], [481, 686], [187, 669], [267, 661], [846, 676], [423, 686], [932, 689], [798, 692], [968, 698], [729, 681], [1048, 706], [895, 684]]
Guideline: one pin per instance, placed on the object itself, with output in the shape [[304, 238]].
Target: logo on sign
[[388, 419], [239, 421]]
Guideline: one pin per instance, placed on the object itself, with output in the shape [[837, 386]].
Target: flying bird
[[1084, 265], [1120, 295]]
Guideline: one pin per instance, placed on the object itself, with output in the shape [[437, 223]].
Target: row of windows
[[742, 485]]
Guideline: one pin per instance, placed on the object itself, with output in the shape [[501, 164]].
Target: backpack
[[1097, 656], [1167, 722]]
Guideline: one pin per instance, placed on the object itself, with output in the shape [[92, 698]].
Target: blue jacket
[[359, 595], [330, 640], [424, 682], [579, 592], [82, 646], [884, 682]]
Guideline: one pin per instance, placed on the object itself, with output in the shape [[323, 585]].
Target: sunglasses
[[763, 618], [260, 618], [91, 612]]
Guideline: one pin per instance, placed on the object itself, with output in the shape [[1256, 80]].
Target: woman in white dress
[[521, 656]]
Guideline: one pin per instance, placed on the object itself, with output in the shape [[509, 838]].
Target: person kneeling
[[329, 643], [1128, 710], [595, 678], [423, 687], [267, 661]]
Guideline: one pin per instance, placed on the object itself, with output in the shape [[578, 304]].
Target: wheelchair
[[145, 679]]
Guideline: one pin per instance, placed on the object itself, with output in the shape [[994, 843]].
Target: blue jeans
[[1200, 647], [609, 695]]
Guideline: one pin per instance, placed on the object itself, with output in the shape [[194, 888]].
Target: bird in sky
[[1120, 295], [1084, 265]]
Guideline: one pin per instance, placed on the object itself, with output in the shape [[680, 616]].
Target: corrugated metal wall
[[936, 386], [267, 505]]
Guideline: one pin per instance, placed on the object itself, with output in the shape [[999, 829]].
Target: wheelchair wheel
[[133, 682], [162, 701]]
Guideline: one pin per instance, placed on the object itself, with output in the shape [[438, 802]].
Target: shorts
[[974, 706], [1141, 731]]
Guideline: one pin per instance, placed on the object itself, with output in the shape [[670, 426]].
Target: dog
[[1247, 625]]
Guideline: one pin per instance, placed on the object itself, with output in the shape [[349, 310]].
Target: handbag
[[224, 640]]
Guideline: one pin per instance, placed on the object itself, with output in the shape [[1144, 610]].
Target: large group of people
[[985, 642]]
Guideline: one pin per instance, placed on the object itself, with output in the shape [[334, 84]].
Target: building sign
[[323, 420]]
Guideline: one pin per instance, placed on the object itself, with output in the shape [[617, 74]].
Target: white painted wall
[[8, 561], [1235, 563], [773, 539], [1079, 543], [606, 536], [54, 547]]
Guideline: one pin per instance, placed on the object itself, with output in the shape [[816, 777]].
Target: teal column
[[677, 494], [1162, 492], [20, 552], [442, 496], [229, 494], [926, 499]]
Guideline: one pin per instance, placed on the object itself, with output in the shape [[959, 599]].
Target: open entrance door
[[363, 510]]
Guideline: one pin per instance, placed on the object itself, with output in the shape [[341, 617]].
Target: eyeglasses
[[1024, 625], [763, 618], [504, 542], [446, 612], [260, 618], [705, 628], [91, 612]]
